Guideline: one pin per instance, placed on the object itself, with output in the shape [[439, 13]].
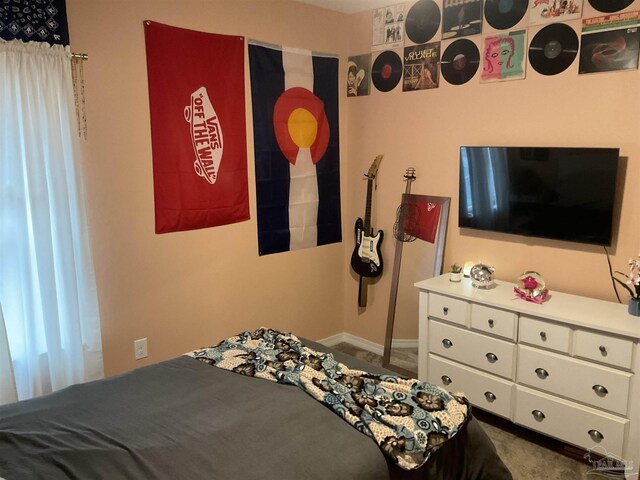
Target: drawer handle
[[446, 379], [596, 436], [538, 415], [445, 310], [542, 373], [543, 336], [600, 390], [446, 343], [603, 350], [491, 357], [490, 397], [491, 323]]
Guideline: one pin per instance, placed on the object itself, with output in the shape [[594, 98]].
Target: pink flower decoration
[[526, 296], [529, 283]]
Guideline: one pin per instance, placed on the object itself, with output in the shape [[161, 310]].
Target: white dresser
[[565, 368]]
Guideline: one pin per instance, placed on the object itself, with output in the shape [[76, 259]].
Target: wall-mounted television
[[558, 193]]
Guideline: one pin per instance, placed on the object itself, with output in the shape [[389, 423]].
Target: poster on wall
[[546, 11], [420, 70], [610, 43], [295, 130], [196, 102], [609, 51], [503, 56], [388, 27], [359, 75], [461, 18]]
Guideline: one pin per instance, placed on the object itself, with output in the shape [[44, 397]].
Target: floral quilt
[[408, 419]]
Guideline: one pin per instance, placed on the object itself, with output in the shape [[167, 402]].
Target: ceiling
[[350, 6]]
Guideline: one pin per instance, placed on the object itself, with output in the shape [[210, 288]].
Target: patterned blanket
[[408, 419]]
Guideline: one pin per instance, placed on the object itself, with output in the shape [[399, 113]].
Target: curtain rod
[[81, 56]]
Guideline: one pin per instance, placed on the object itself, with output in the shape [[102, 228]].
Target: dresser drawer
[[447, 308], [545, 334], [570, 422], [494, 321], [483, 390], [585, 382], [479, 351], [614, 351]]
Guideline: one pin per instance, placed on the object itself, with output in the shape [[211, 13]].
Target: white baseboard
[[333, 340], [404, 343], [366, 344]]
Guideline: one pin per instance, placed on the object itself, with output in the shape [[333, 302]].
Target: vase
[[455, 277], [634, 307]]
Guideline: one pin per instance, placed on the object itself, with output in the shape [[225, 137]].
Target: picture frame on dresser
[[567, 368]]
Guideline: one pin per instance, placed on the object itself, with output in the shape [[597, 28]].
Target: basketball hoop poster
[[198, 131]]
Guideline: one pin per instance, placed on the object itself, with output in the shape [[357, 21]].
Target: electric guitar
[[366, 259]]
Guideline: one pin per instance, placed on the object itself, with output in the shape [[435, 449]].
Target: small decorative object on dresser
[[456, 273], [466, 268], [632, 285], [482, 275], [531, 287]]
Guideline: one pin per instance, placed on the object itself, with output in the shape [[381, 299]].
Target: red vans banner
[[198, 131]]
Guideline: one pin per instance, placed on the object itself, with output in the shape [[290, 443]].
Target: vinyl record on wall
[[386, 71], [423, 21], [553, 49], [610, 6], [460, 61], [504, 14]]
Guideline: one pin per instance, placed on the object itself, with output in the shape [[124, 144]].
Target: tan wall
[[185, 290], [425, 129]]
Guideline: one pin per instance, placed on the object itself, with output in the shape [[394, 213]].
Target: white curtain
[[47, 285], [8, 392]]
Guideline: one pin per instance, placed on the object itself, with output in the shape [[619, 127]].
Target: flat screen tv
[[558, 193]]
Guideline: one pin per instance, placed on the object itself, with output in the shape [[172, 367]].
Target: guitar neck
[[407, 189], [403, 211], [400, 225], [367, 212]]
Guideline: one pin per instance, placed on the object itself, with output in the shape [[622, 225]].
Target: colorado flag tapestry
[[198, 131], [295, 123]]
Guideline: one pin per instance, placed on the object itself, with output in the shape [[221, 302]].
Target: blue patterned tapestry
[[34, 20]]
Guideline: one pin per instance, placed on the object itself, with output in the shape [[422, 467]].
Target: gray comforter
[[182, 419]]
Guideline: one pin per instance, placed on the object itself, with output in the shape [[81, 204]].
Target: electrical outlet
[[140, 348]]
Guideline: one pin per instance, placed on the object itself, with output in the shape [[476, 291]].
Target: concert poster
[[358, 75], [420, 70], [504, 56], [388, 27], [546, 11], [461, 18]]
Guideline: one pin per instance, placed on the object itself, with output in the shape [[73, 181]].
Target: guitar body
[[366, 259]]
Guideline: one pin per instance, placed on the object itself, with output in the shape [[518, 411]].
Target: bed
[[184, 419]]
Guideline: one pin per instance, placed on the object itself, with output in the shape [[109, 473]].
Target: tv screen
[[558, 193]]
